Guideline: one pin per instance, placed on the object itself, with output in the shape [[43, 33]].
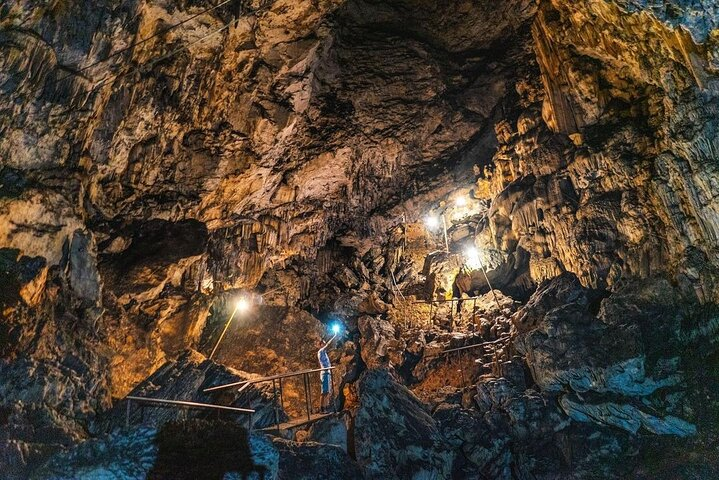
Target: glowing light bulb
[[471, 255], [335, 328], [461, 202], [432, 222], [242, 304]]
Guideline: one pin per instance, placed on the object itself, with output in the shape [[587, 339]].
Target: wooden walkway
[[298, 422]]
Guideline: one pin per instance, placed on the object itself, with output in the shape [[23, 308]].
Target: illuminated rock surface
[[295, 149]]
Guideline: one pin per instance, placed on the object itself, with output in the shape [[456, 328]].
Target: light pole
[[472, 255], [432, 223], [242, 305]]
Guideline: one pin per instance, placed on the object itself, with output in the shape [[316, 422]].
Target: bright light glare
[[461, 202], [242, 304], [471, 255], [432, 222], [335, 328]]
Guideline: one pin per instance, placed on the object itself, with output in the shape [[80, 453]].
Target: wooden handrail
[[450, 300], [183, 403], [466, 347], [266, 379]]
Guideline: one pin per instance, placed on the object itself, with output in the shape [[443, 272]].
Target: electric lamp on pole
[[432, 222], [473, 260], [242, 305]]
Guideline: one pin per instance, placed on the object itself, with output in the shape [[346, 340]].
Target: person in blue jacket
[[325, 375]]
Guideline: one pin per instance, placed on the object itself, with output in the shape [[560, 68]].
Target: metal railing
[[278, 390], [163, 402], [451, 301], [459, 351]]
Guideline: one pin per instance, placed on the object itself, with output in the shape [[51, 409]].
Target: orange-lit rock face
[[296, 148]]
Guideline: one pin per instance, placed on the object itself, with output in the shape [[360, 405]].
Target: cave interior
[[502, 218]]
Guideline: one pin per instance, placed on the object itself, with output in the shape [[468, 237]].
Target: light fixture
[[432, 222], [471, 255], [336, 327], [242, 304], [460, 202], [473, 261]]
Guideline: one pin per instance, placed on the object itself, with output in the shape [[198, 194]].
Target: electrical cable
[[141, 42], [151, 63]]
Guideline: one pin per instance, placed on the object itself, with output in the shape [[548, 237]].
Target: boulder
[[181, 451], [378, 344], [331, 430], [44, 408], [526, 415], [601, 360], [120, 455], [347, 278], [562, 290], [314, 461], [394, 436], [482, 450], [572, 348], [627, 417], [373, 305], [374, 259]]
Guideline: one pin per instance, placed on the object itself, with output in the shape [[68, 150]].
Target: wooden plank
[[183, 403], [299, 422], [267, 379]]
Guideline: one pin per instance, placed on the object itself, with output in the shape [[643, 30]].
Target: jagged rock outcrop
[[310, 460], [571, 350], [394, 436], [378, 345], [186, 379], [140, 454], [598, 167], [143, 453], [119, 455], [331, 430]]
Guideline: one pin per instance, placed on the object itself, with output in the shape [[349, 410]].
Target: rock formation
[[509, 210]]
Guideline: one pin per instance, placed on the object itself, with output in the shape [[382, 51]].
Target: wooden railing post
[[282, 396], [309, 390], [451, 315], [332, 389], [277, 413], [474, 313], [306, 380]]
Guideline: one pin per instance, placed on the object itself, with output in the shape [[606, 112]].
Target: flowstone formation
[[508, 207]]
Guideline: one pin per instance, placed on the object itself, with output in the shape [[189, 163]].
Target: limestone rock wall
[[610, 182]]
